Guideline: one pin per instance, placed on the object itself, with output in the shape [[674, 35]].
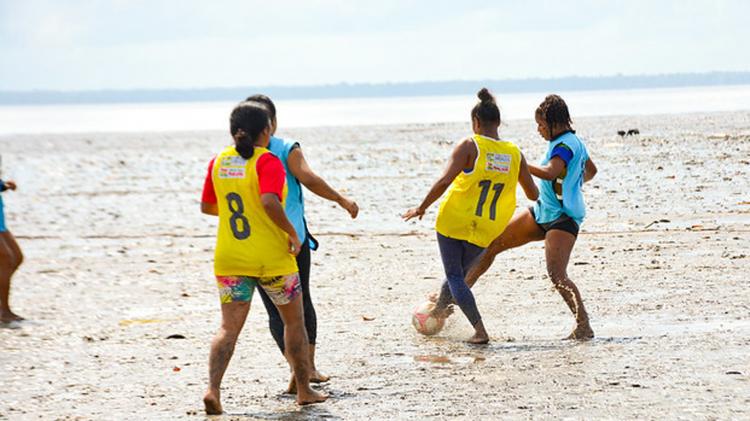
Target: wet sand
[[118, 258]]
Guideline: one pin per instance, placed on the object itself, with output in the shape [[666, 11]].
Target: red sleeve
[[209, 195], [271, 174]]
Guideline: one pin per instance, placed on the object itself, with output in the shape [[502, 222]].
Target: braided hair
[[486, 110], [554, 112], [246, 123]]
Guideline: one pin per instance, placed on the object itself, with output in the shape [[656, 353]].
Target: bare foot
[[212, 404], [479, 339], [318, 377], [442, 313], [9, 316], [582, 332], [292, 388], [310, 396]]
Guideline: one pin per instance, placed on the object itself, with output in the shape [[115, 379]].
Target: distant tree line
[[364, 90]]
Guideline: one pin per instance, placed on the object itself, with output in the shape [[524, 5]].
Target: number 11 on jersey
[[486, 185]]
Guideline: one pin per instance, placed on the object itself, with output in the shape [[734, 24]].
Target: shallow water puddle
[[443, 359], [129, 322], [439, 359]]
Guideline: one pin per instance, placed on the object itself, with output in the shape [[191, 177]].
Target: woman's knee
[[18, 260]]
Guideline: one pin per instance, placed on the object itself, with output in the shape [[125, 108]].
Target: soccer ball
[[424, 322]]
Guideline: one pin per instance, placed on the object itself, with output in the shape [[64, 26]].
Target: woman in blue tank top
[[298, 173], [559, 212]]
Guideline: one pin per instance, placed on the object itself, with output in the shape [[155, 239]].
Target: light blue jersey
[[3, 228], [295, 204], [549, 207]]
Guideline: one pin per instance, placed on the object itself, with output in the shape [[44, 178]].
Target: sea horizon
[[365, 111]]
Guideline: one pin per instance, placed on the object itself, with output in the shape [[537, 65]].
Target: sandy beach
[[119, 258]]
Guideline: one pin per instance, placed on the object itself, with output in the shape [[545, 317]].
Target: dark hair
[[247, 122], [554, 112], [265, 101], [486, 110]]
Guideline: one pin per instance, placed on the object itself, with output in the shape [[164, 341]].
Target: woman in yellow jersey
[[255, 245], [482, 175], [559, 212]]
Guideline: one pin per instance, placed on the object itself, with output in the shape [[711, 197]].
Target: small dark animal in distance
[[631, 132]]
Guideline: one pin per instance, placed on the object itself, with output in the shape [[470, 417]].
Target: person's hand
[[413, 212], [10, 184], [350, 206], [294, 245]]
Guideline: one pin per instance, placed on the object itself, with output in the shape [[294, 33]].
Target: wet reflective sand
[[118, 259]]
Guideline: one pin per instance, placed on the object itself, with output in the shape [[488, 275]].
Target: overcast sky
[[121, 44]]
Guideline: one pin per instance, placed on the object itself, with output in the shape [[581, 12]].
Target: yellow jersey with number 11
[[480, 203], [248, 243]]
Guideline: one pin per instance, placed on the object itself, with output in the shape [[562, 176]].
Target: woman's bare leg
[[297, 350], [558, 245], [522, 229], [10, 259], [233, 317]]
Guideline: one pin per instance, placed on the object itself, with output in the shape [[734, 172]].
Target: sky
[[119, 44]]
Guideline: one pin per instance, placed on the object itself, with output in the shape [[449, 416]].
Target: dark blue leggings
[[458, 255]]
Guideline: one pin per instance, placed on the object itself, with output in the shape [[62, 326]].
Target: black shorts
[[563, 223]]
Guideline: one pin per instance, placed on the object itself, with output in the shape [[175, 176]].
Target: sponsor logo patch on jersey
[[498, 162], [232, 167]]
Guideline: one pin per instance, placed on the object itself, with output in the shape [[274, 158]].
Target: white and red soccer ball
[[424, 322]]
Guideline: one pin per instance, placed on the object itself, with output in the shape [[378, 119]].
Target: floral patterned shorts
[[282, 289]]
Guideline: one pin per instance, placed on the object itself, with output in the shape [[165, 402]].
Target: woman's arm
[[275, 211], [550, 171], [524, 178], [589, 171], [463, 155], [210, 208], [301, 171], [209, 204], [7, 185]]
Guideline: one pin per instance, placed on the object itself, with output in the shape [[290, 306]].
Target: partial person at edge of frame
[[11, 258]]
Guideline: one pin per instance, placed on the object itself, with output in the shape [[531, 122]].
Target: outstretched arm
[[550, 171], [301, 171], [463, 156], [524, 178], [7, 185]]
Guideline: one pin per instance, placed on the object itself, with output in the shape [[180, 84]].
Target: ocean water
[[164, 117]]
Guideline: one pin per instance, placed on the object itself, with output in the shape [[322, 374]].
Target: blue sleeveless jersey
[[295, 204], [3, 228], [549, 207]]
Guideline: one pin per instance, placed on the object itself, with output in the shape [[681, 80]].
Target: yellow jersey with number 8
[[248, 243], [480, 203]]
